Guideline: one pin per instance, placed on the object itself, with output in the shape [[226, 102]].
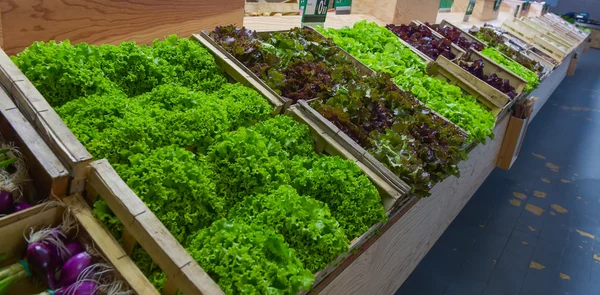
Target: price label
[[315, 12]]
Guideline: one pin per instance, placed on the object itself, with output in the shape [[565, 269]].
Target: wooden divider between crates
[[46, 171], [459, 52], [49, 125], [240, 73], [450, 72], [444, 23], [13, 226], [143, 227], [328, 140]]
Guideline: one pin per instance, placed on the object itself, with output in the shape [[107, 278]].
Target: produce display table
[[379, 260]]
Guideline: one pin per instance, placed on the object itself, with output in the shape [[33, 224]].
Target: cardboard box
[[511, 145]]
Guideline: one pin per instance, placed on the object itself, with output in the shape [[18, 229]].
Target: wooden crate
[[547, 47], [492, 67], [450, 72], [46, 121], [392, 189], [240, 73], [49, 176], [183, 272], [520, 30], [459, 52], [13, 227], [536, 57], [143, 227]]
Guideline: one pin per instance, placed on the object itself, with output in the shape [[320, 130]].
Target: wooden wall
[[398, 11], [110, 21]]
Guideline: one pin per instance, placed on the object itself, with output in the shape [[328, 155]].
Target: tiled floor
[[534, 229]]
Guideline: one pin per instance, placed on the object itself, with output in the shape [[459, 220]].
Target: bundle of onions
[[66, 265], [13, 174]]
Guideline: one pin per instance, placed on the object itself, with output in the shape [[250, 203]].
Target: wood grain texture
[[423, 10], [108, 246], [42, 116], [111, 21], [49, 175]]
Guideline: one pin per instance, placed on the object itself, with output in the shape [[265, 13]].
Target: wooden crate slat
[[50, 215], [44, 168], [150, 233], [480, 90], [389, 190], [33, 105], [241, 74], [106, 243], [505, 74]]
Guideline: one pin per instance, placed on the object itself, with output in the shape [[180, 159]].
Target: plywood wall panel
[[110, 21]]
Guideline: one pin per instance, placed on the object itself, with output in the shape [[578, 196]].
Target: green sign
[[315, 12], [545, 8], [526, 5], [470, 7], [497, 5], [517, 10], [342, 6], [301, 4]]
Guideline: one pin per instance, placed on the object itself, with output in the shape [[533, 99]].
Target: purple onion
[[40, 259], [78, 288], [20, 206], [73, 248], [73, 267], [6, 202]]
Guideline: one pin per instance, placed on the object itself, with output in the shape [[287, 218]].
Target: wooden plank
[[111, 22], [49, 125], [13, 243], [107, 244], [241, 74], [480, 90], [267, 7], [44, 168], [390, 191], [149, 232]]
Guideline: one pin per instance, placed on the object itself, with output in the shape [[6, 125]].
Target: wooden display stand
[[484, 10], [49, 176], [511, 145], [572, 65], [112, 22], [389, 255], [398, 11]]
